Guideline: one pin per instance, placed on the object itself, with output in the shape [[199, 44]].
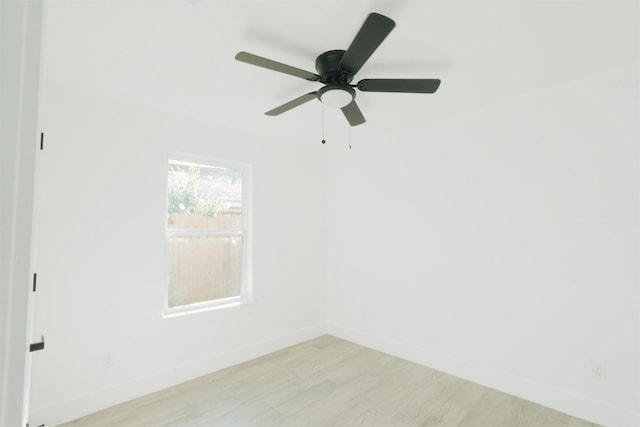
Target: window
[[206, 238]]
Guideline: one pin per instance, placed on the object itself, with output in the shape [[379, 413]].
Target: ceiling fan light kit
[[336, 69], [336, 96]]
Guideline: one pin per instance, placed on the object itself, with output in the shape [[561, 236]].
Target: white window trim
[[246, 285]]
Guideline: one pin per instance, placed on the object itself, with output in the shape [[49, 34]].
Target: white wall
[[500, 245], [101, 254], [20, 26]]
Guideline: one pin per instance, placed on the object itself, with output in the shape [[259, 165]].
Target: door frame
[[21, 23]]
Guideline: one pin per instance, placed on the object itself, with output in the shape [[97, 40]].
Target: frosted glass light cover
[[336, 98]]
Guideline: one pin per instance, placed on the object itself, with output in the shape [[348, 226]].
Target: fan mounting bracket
[[328, 67]]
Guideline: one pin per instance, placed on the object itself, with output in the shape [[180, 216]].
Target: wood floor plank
[[446, 404], [329, 382]]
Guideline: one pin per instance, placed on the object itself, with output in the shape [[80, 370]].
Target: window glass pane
[[204, 268], [203, 197]]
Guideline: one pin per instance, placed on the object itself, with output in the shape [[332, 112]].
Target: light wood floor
[[329, 382]]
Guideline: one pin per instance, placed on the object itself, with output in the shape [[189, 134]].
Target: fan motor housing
[[327, 65]]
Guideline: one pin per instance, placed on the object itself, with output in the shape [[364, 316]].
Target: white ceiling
[[178, 55]]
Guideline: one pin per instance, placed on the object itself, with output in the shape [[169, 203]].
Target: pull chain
[[349, 137], [322, 106]]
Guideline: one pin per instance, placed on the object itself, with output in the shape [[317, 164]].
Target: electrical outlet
[[599, 371], [109, 360], [363, 315]]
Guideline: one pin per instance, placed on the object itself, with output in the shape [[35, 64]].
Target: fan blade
[[292, 104], [353, 114], [399, 85], [252, 59], [374, 30]]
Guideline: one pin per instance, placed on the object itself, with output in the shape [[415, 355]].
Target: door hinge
[[37, 346], [41, 140], [35, 280]]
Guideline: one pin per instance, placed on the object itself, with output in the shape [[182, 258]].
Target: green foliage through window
[[189, 193]]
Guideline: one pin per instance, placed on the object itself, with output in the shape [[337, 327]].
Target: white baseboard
[[560, 400], [79, 406]]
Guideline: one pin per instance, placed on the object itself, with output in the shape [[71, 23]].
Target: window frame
[[246, 289]]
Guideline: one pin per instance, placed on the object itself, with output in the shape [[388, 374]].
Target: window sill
[[226, 303]]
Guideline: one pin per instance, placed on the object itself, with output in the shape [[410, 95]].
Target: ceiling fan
[[336, 69]]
